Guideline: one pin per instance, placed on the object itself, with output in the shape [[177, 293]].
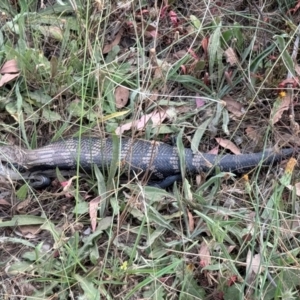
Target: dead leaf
[[121, 96], [93, 211], [148, 30], [280, 106], [193, 54], [124, 127], [99, 5], [296, 186], [228, 78], [158, 73], [204, 44], [204, 254], [191, 221], [287, 138], [214, 150], [290, 227], [253, 134], [294, 10], [227, 144], [107, 48], [173, 17], [3, 202], [68, 183], [157, 117], [180, 54], [30, 231], [153, 96], [67, 187], [230, 248], [199, 179], [183, 109], [9, 71], [200, 101], [289, 81], [234, 106], [231, 57], [7, 78], [206, 79], [10, 66], [253, 263], [23, 205]]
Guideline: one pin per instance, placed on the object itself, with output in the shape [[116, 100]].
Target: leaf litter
[[163, 49]]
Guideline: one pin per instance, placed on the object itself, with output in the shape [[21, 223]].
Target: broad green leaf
[[50, 115], [155, 291], [195, 21], [23, 220], [199, 134], [19, 268], [22, 192], [282, 46], [214, 47], [39, 96], [257, 62], [51, 31], [89, 288]]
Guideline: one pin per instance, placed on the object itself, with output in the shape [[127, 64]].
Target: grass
[[98, 237]]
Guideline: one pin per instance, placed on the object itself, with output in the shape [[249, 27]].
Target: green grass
[[217, 237]]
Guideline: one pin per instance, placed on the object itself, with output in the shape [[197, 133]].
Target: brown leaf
[[204, 254], [290, 227], [124, 127], [200, 101], [10, 67], [3, 202], [23, 205], [233, 106], [282, 104], [253, 134], [296, 187], [253, 263], [231, 57], [191, 221], [30, 231], [214, 150], [287, 138], [154, 95], [179, 54], [7, 78], [289, 81], [67, 187], [157, 117], [107, 48], [228, 78], [204, 44], [121, 96], [93, 211], [227, 144], [148, 30]]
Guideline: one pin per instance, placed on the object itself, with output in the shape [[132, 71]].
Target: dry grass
[[89, 67]]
